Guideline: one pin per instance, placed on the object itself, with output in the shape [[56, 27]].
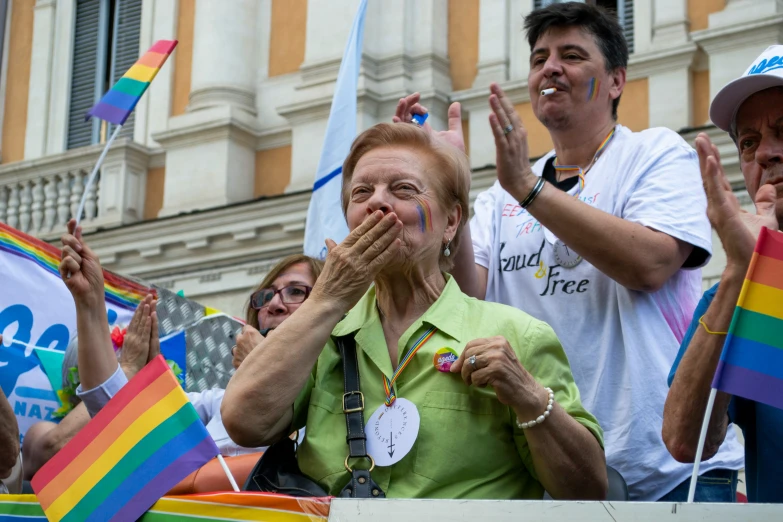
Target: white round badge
[[391, 432], [564, 256]]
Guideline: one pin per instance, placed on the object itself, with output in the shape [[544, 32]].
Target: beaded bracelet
[[533, 193], [541, 418]]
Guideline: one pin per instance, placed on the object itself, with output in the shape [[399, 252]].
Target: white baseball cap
[[766, 71]]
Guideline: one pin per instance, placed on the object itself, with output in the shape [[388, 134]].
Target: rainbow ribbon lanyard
[[582, 174], [388, 385]]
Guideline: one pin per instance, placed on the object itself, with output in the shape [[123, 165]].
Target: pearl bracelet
[[541, 418]]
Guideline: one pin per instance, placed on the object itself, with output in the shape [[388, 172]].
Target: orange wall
[[183, 56], [463, 42], [634, 109], [153, 199], [699, 10], [288, 35], [701, 97], [538, 140], [20, 47], [273, 171]]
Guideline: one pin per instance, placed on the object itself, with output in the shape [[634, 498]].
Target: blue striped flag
[[325, 216]]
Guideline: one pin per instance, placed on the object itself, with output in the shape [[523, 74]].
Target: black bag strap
[[353, 399], [361, 484]]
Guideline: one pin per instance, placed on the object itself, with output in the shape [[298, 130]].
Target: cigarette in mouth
[[547, 92]]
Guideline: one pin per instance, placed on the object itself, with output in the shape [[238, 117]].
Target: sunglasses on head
[[291, 294]]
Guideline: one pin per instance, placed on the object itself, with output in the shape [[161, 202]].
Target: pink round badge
[[444, 358]]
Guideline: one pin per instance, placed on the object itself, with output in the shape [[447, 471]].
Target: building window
[[623, 8], [106, 44]]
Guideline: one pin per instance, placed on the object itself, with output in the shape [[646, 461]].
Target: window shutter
[[125, 48], [87, 33], [625, 15]]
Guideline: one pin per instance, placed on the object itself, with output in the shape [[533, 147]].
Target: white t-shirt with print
[[621, 343]]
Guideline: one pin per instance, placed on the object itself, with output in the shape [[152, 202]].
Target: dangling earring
[[447, 250]]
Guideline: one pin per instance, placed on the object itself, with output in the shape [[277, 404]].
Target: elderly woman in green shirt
[[485, 392]]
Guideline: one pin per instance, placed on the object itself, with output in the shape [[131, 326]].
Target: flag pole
[[94, 173], [700, 448], [228, 472]]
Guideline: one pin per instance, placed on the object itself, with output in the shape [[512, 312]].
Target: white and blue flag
[[325, 216]]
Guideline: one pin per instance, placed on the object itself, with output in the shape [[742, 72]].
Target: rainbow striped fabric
[[140, 445], [119, 291], [751, 364], [196, 508], [117, 104]]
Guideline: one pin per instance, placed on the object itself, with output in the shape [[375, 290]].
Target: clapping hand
[[512, 155], [141, 343], [738, 230]]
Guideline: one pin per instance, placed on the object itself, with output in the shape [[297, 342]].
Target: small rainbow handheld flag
[[117, 104], [141, 444], [751, 364]]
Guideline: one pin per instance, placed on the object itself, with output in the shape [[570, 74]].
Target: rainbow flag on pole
[[141, 444], [751, 364], [117, 104]]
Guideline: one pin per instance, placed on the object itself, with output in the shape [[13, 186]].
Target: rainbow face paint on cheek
[[425, 215], [592, 89]]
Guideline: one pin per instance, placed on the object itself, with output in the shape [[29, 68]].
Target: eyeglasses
[[292, 294]]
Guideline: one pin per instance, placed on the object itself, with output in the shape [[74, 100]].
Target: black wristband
[[533, 193]]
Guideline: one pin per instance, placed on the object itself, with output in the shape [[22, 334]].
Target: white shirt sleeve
[[668, 196], [482, 227], [207, 403], [96, 398]]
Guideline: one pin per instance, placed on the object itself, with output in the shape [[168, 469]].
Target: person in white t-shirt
[[602, 238]]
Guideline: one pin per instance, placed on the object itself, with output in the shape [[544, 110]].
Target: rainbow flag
[[117, 104], [140, 445], [751, 364], [119, 291], [197, 508]]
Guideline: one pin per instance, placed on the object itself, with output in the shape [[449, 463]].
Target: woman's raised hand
[[81, 270], [410, 105], [352, 265]]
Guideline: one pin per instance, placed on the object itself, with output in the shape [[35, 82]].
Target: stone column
[[493, 64], [224, 55], [210, 150], [40, 79], [671, 103]]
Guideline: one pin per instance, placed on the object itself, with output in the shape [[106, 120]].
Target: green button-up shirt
[[468, 445]]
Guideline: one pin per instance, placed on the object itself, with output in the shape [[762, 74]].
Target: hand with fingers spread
[[512, 155], [81, 270], [738, 230], [137, 347], [492, 362], [351, 266], [247, 340], [410, 105]]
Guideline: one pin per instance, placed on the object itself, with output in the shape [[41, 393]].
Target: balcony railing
[[39, 196]]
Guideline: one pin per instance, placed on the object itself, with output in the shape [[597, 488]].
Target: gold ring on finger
[[508, 128]]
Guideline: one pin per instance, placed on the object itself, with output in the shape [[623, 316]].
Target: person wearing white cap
[[750, 109]]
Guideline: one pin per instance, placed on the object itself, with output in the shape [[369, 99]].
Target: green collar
[[363, 320]]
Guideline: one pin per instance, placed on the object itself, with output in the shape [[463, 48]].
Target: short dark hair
[[594, 20]]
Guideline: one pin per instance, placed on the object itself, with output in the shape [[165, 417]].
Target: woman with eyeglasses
[[281, 292]]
